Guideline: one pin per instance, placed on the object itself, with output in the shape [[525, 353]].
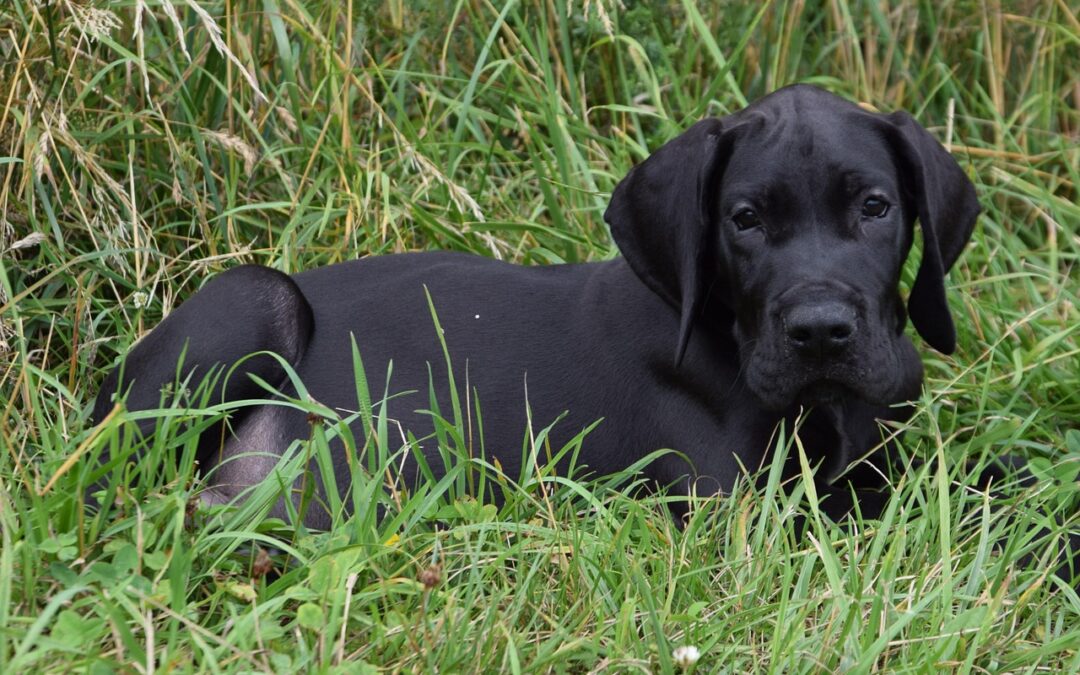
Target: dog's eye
[[875, 208], [746, 220]]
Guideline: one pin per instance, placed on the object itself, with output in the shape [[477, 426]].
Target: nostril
[[800, 335], [840, 332]]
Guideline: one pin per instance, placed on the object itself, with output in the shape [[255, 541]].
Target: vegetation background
[[146, 145]]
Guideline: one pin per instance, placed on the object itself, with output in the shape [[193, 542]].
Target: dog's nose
[[820, 329]]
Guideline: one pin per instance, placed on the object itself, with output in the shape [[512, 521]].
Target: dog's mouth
[[823, 391]]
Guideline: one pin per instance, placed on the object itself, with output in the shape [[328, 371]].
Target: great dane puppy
[[761, 254]]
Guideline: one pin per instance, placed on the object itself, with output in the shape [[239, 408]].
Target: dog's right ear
[[661, 216]]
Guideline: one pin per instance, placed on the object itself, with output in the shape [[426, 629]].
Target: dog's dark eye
[[746, 220], [875, 208]]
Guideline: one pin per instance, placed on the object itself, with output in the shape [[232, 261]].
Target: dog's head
[[788, 223]]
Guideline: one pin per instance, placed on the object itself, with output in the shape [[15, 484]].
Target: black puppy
[[762, 253]]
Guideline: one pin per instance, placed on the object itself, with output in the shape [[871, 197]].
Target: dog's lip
[[823, 391]]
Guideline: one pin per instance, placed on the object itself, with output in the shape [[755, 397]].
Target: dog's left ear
[[660, 216], [947, 208]]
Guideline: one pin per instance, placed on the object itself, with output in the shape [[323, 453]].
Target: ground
[[145, 146]]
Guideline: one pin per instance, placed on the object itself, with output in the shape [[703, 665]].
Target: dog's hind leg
[[245, 310]]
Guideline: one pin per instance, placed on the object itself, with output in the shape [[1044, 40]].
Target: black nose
[[820, 329]]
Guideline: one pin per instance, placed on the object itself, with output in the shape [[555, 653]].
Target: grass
[[294, 133]]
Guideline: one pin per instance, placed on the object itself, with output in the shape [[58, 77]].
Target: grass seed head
[[431, 576]]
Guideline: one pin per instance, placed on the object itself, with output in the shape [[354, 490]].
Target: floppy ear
[[660, 216], [947, 208]]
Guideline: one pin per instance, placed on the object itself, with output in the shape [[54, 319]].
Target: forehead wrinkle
[[856, 180], [776, 130], [830, 168], [807, 160]]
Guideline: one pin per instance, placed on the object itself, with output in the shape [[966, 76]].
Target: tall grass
[[146, 145]]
